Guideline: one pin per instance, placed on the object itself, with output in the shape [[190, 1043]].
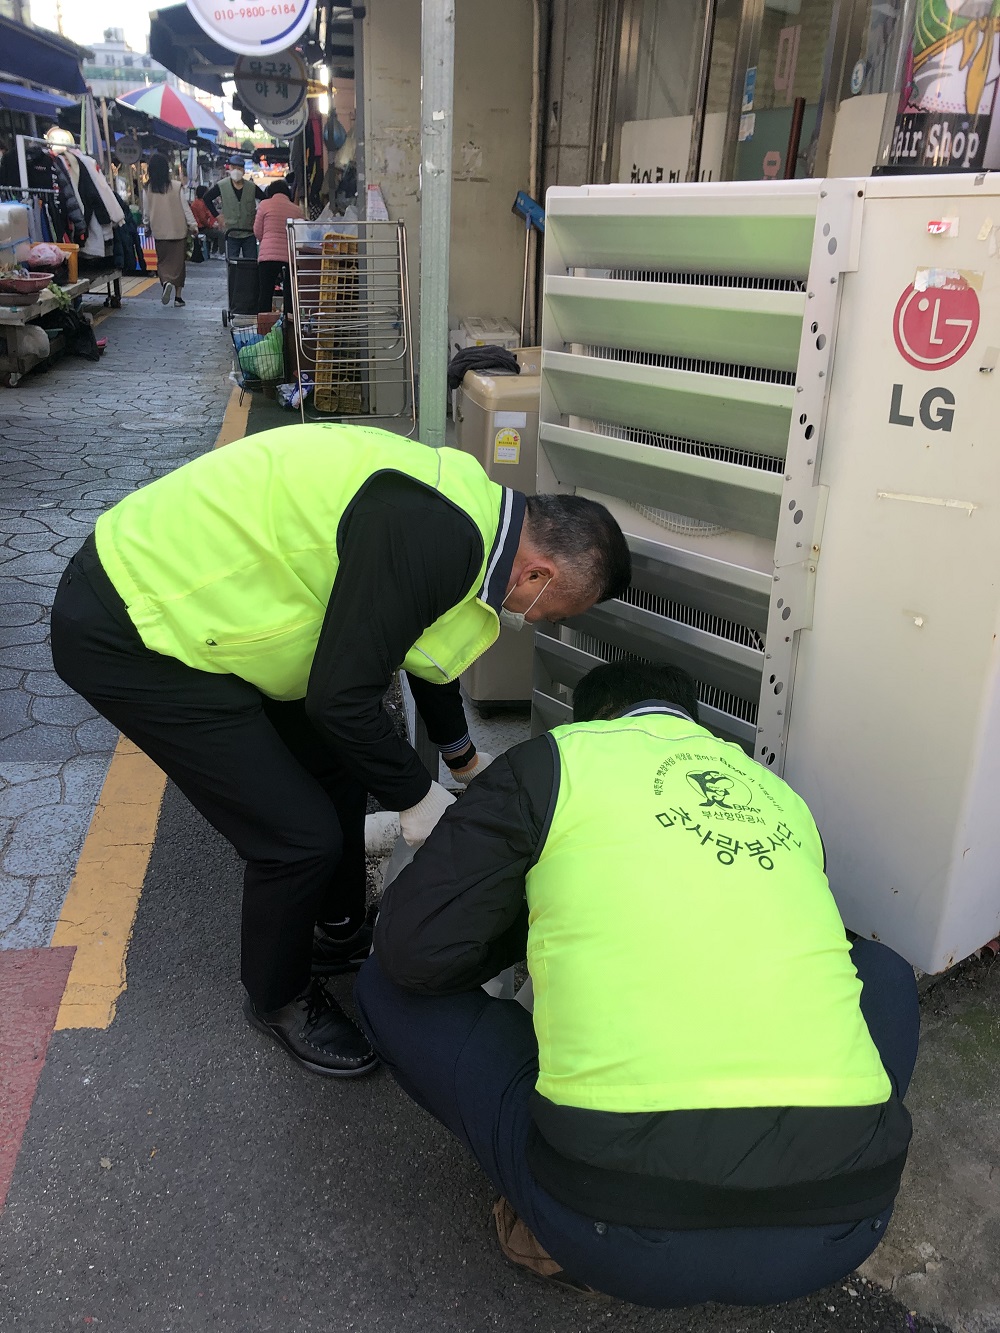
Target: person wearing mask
[[165, 213], [238, 199], [271, 230], [207, 222], [241, 620], [707, 1102]]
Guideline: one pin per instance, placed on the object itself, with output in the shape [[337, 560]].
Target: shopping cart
[[241, 287], [259, 358]]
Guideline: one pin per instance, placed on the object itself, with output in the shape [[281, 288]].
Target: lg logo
[[936, 409]]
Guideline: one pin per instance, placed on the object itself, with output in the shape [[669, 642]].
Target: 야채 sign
[[272, 86], [254, 29]]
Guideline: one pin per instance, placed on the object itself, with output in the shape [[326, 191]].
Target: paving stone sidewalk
[[73, 441]]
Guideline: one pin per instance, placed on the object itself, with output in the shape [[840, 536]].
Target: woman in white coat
[[166, 213]]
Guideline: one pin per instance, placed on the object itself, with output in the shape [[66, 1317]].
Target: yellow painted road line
[[99, 911], [100, 907], [143, 286], [234, 423]]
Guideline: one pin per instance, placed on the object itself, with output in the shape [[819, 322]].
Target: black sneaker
[[316, 1032], [332, 956]]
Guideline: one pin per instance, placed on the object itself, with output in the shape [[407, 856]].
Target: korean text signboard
[[272, 86], [254, 29], [285, 127], [946, 103]]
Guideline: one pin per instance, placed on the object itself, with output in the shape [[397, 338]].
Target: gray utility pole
[[437, 93]]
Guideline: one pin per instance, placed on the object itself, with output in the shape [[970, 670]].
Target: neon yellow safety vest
[[685, 949], [228, 563]]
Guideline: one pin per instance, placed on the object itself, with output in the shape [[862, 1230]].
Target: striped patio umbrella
[[175, 108]]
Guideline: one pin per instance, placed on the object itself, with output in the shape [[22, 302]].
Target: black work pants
[[255, 768], [472, 1061], [268, 273]]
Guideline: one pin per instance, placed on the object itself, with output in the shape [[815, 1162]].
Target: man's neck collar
[[513, 507], [657, 706]]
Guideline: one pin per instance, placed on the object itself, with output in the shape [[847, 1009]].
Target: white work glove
[[417, 823], [465, 775], [381, 832]]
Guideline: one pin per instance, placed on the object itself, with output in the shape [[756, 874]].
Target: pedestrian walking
[[238, 199], [241, 619], [270, 226], [165, 212], [707, 1102]]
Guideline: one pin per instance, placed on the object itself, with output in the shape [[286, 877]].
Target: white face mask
[[236, 177], [515, 619]]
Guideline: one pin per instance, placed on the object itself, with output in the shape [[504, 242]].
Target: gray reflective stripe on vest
[[417, 649]]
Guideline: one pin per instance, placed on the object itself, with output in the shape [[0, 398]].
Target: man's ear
[[542, 569]]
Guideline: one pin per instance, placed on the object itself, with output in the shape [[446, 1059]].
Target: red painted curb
[[32, 982]]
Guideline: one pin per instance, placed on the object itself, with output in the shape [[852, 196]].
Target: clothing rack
[[22, 158]]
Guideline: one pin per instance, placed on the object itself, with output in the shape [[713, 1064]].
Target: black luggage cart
[[242, 286]]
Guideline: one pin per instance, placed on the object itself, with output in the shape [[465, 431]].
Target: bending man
[[708, 1103], [241, 619]]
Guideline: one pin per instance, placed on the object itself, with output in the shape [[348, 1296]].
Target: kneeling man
[[706, 1104]]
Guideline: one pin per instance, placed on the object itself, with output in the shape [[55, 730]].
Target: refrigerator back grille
[[722, 453], [737, 281], [710, 695], [698, 367]]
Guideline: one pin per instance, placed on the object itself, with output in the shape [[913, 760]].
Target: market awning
[[14, 97], [41, 57], [178, 42], [153, 133]]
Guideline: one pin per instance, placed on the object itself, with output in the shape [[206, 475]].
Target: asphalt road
[[180, 1173]]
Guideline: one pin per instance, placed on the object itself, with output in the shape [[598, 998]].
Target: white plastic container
[[489, 331], [15, 238]]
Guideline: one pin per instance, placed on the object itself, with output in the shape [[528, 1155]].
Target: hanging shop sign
[[285, 127], [272, 85], [254, 29], [127, 151], [946, 102]]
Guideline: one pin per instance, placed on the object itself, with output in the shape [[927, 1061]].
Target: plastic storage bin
[[72, 259]]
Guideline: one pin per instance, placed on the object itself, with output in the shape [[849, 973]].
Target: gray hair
[[585, 536]]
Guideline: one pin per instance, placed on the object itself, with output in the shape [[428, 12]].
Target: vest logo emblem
[[720, 791]]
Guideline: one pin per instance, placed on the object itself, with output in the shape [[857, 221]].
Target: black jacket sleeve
[[457, 915], [406, 556], [441, 708]]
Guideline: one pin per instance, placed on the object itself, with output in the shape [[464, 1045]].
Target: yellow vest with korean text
[[228, 563], [685, 949]]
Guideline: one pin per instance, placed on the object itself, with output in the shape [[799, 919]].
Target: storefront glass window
[[660, 48], [793, 44]]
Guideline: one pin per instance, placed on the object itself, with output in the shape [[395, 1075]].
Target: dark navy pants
[[472, 1062]]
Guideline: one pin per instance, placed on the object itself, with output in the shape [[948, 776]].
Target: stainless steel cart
[[351, 308]]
